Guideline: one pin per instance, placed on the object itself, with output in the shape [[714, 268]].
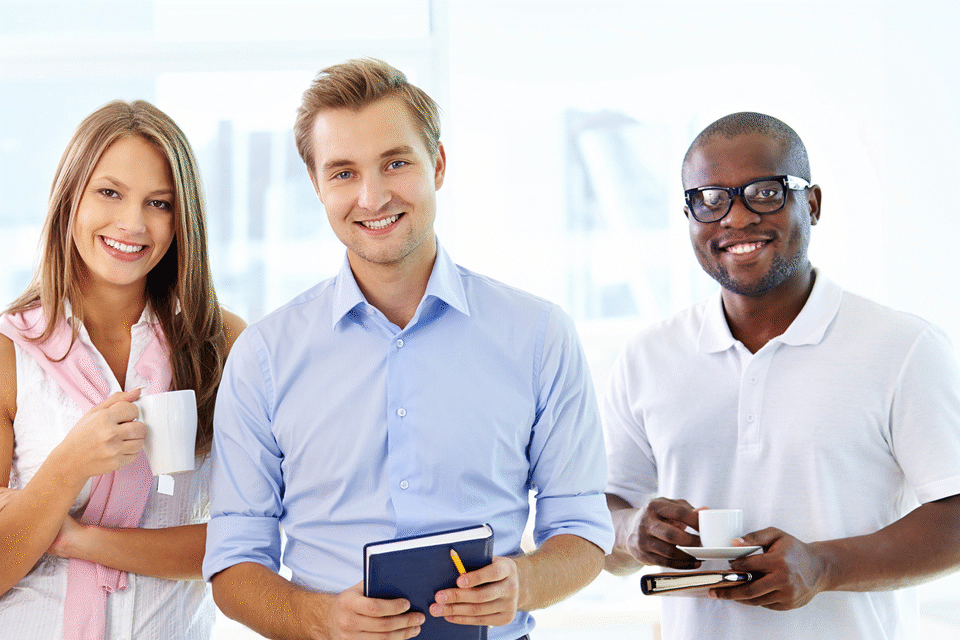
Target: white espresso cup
[[719, 527], [171, 420]]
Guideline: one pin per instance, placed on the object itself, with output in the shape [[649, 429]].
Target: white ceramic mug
[[718, 527], [171, 420]]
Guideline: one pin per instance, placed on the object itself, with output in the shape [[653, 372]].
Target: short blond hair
[[354, 84]]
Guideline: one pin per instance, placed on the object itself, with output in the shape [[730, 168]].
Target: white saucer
[[718, 553]]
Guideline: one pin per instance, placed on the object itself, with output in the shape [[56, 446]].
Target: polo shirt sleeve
[[632, 473], [568, 467], [246, 486], [925, 418]]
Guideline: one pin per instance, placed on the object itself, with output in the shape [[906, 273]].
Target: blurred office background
[[564, 124]]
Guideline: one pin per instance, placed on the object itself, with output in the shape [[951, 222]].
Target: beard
[[780, 271]]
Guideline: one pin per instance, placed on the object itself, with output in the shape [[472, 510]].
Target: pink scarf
[[117, 499]]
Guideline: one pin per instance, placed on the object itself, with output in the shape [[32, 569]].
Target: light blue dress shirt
[[343, 428]]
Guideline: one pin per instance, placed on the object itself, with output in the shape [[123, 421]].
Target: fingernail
[[436, 610], [462, 582], [442, 597]]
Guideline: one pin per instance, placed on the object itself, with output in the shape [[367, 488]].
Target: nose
[[131, 218], [374, 193], [739, 216]]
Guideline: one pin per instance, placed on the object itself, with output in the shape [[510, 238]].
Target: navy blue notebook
[[417, 567]]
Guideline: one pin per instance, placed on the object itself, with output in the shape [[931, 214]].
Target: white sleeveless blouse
[[149, 608]]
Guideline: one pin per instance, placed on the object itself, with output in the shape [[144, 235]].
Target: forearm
[[560, 567], [272, 606], [921, 546], [30, 522], [174, 553], [621, 561]]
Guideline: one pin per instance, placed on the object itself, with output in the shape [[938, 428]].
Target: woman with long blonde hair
[[122, 304]]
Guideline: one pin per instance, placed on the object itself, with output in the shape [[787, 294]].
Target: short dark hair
[[354, 84], [744, 122]]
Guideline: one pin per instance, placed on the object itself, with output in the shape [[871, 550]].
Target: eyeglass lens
[[765, 196]]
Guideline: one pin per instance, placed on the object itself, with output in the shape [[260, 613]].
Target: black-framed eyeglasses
[[763, 195]]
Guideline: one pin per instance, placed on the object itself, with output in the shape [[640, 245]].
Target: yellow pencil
[[457, 561]]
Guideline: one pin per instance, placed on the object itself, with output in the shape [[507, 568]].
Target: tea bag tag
[[165, 485]]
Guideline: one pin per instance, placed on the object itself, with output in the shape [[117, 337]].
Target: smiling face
[[125, 219], [750, 254], [378, 184]]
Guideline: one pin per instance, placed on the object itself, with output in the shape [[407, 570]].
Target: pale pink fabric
[[117, 499]]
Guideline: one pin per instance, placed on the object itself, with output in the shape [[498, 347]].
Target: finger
[[491, 614], [679, 511], [673, 533], [391, 624], [499, 569], [377, 608], [133, 430], [662, 554]]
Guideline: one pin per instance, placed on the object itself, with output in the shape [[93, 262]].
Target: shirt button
[[753, 380], [750, 418], [401, 412], [400, 343], [404, 484]]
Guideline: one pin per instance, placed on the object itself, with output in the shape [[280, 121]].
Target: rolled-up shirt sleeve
[[567, 460], [246, 487]]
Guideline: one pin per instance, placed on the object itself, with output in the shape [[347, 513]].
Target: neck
[[110, 309], [755, 321], [395, 289]]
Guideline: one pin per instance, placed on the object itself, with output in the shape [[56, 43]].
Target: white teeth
[[125, 248], [382, 223], [741, 249]]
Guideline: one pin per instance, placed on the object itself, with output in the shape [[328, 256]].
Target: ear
[[813, 201], [686, 211], [440, 167]]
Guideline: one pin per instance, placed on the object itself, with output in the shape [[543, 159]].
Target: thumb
[[120, 396], [763, 538]]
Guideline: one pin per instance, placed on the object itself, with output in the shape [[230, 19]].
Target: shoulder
[[484, 290], [867, 319], [677, 333], [233, 326]]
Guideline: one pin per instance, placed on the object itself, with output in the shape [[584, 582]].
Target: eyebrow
[[403, 149], [120, 184]]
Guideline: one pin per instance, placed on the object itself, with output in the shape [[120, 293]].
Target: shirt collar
[[146, 316], [808, 327], [444, 285]]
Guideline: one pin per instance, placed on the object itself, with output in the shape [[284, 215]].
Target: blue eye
[[343, 175], [396, 164]]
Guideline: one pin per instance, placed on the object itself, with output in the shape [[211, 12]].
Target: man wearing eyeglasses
[[824, 416]]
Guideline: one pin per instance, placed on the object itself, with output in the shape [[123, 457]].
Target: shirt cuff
[[585, 516], [232, 540]]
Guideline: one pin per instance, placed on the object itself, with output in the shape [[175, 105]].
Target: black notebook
[[691, 583], [416, 568]]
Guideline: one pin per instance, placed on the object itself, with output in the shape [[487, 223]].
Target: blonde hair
[[355, 84], [179, 288]]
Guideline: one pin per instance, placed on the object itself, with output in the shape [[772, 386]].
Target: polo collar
[[807, 328]]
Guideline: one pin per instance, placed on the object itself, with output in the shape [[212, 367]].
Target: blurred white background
[[564, 123]]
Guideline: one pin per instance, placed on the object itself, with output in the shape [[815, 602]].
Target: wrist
[[626, 526], [524, 567], [827, 566]]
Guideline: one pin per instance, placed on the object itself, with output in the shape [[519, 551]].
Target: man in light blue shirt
[[406, 395]]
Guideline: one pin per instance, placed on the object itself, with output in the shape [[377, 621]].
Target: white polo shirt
[[835, 429]]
